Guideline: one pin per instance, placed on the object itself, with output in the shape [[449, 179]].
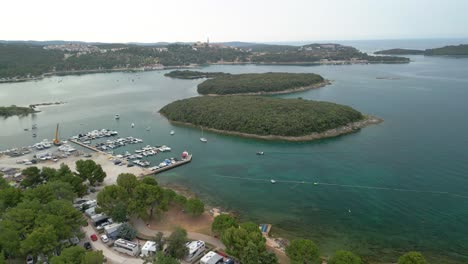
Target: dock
[[86, 146], [171, 166], [153, 172]]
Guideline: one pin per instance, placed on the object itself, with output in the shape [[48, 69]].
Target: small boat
[[34, 126], [260, 153], [172, 132], [272, 181], [34, 135], [202, 139], [148, 128], [26, 129], [133, 125], [117, 116]]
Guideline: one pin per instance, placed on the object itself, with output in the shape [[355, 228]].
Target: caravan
[[127, 247], [195, 249]]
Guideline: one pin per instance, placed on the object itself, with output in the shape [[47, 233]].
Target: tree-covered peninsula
[[400, 52], [7, 111], [459, 50], [267, 117], [260, 83]]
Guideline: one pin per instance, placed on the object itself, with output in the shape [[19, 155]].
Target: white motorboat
[[133, 125], [172, 132], [272, 181]]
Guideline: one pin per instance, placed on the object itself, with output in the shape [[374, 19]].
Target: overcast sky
[[229, 20]]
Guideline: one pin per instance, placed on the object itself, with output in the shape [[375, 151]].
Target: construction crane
[[56, 139]]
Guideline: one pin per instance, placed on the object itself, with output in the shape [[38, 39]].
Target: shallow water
[[420, 147]]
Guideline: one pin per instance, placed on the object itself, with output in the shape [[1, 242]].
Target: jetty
[[178, 163], [151, 171], [86, 146]]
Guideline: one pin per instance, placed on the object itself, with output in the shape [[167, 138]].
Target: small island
[[13, 110], [267, 117], [260, 83], [190, 75], [460, 50]]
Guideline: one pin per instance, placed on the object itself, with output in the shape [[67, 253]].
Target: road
[[141, 227]]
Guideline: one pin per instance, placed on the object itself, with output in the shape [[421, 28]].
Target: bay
[[397, 186]]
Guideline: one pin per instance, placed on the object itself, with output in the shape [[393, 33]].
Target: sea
[[389, 188]]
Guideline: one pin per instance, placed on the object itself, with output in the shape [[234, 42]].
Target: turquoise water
[[421, 148]]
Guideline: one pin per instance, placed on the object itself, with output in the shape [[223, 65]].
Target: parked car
[[87, 246], [101, 226], [104, 239], [93, 237], [29, 259]]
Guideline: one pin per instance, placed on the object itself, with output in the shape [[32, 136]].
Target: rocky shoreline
[[347, 129]]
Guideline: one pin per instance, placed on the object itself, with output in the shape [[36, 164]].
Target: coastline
[[288, 91], [343, 130], [79, 72], [191, 66]]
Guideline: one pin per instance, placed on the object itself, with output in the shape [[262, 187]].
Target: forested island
[[186, 74], [267, 117], [460, 50], [20, 61], [7, 111], [261, 83]]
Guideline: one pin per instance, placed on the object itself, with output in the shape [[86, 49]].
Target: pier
[[150, 172], [171, 166], [86, 146]]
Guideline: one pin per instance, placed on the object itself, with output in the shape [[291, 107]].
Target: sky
[[231, 20]]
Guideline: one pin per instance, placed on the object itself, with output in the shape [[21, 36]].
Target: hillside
[[261, 116], [260, 83]]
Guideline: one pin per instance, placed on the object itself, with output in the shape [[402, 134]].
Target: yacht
[[202, 139]]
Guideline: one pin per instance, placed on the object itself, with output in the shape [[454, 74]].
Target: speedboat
[[204, 140], [260, 153], [172, 132]]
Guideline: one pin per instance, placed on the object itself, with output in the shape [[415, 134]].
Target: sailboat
[[202, 139]]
